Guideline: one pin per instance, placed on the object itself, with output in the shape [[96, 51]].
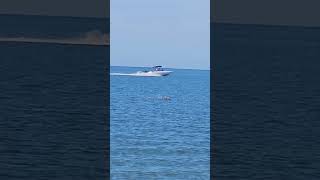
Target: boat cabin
[[157, 68]]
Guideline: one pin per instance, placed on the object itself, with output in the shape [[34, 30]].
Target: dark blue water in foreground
[[266, 101], [53, 101], [154, 138]]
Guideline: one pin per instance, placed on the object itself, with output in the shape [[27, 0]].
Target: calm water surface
[[154, 138], [52, 101], [266, 102]]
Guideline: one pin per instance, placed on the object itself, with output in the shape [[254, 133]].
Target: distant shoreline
[[53, 42], [53, 16], [95, 38]]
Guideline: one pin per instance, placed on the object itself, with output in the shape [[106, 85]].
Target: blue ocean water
[[266, 102], [155, 138], [53, 101]]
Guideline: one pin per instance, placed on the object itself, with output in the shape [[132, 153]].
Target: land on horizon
[[55, 29]]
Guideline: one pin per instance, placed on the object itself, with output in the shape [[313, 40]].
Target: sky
[[268, 12], [77, 8], [172, 33]]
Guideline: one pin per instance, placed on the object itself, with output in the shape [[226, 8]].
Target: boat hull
[[154, 73]]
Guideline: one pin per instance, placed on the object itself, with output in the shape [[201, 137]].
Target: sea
[[53, 100], [265, 102], [160, 126]]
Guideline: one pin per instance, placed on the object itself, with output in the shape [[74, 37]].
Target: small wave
[[120, 74], [134, 74]]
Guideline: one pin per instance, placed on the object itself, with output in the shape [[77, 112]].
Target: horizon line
[[165, 67], [264, 24], [46, 15]]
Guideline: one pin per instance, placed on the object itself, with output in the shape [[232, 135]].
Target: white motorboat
[[156, 71]]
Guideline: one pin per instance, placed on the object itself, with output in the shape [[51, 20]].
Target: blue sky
[[172, 33]]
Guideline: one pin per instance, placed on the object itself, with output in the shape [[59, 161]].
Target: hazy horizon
[[204, 69], [271, 12]]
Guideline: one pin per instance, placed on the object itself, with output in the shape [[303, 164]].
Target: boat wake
[[156, 71], [135, 74]]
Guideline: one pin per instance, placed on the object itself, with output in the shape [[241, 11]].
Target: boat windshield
[[157, 68]]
